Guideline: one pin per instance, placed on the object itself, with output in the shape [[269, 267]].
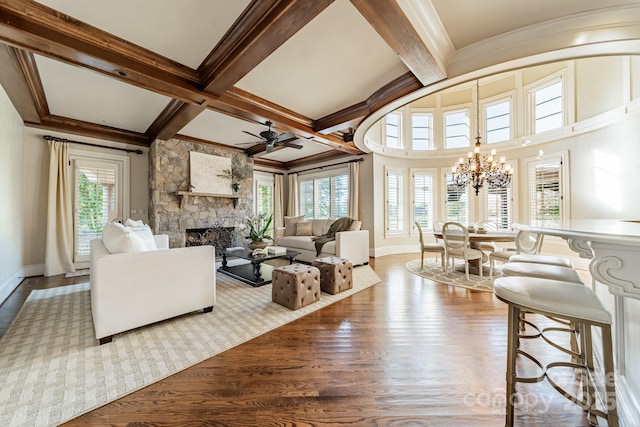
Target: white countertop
[[603, 230]]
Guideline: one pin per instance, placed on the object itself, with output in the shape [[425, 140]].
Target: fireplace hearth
[[217, 236]]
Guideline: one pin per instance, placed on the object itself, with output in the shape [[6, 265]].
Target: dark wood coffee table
[[254, 273]]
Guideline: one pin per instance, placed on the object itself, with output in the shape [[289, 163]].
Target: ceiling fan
[[273, 139]]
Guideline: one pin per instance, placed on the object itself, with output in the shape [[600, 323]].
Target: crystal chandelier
[[478, 168]]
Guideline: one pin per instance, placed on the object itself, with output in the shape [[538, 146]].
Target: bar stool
[[542, 259], [575, 304], [542, 271]]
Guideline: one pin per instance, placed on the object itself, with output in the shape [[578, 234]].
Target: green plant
[[259, 227]]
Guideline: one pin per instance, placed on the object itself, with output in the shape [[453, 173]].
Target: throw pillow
[[304, 228], [355, 225], [146, 235], [119, 239], [318, 226], [132, 223], [290, 224]]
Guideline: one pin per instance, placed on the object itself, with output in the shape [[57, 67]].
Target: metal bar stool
[[573, 303]]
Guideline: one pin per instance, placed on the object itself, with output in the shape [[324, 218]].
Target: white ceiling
[[334, 62]]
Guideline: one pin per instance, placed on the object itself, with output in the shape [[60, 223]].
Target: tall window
[[324, 196], [498, 121], [422, 199], [456, 129], [545, 192], [498, 207], [457, 202], [98, 195], [263, 195], [393, 129], [422, 131], [394, 193], [548, 111]]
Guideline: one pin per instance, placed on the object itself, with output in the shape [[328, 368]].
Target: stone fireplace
[[217, 236], [173, 214]]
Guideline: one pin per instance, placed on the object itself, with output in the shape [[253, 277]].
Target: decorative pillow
[[119, 239], [328, 224], [146, 235], [132, 223], [318, 226], [355, 225], [304, 228], [290, 224]]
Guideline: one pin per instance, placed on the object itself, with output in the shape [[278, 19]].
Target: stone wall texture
[[169, 173]]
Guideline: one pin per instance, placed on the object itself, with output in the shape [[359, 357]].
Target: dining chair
[[435, 246], [456, 243], [488, 226], [526, 243], [437, 226]]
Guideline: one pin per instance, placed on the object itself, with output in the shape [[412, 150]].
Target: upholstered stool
[[295, 286], [542, 259], [335, 274], [542, 271], [575, 304]]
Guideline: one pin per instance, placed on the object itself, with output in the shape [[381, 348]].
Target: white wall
[[11, 194]]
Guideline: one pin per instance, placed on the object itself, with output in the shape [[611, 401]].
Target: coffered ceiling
[[136, 70]]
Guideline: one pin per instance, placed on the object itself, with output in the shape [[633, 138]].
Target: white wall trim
[[391, 250], [11, 284], [34, 270]]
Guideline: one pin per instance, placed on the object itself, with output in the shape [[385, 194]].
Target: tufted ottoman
[[295, 285], [335, 274]]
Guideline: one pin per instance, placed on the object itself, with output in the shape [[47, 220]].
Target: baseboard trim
[[34, 270], [10, 285]]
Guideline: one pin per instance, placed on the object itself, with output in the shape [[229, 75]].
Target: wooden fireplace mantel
[[186, 194]]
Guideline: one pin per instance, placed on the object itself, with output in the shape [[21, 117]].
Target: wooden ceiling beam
[[263, 27], [21, 81], [388, 19], [172, 119]]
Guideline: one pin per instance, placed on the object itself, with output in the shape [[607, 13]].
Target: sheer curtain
[[292, 206], [278, 201], [58, 257], [354, 174]]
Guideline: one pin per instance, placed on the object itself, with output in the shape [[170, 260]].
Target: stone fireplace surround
[[169, 174]]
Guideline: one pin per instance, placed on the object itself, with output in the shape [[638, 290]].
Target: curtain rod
[[329, 166], [53, 138]]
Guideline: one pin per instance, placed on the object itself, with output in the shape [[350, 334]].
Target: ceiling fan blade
[[285, 137], [254, 135], [291, 145]]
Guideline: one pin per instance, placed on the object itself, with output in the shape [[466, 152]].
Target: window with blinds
[[548, 111], [422, 131], [456, 129], [324, 197], [545, 193], [264, 198], [422, 199], [393, 129], [457, 202], [394, 189], [498, 121], [498, 207], [95, 203]]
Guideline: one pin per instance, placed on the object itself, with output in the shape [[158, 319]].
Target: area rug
[[53, 370], [433, 270]]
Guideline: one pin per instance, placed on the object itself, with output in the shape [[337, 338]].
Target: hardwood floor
[[406, 352]]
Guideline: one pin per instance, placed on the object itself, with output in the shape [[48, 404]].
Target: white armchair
[[129, 290]]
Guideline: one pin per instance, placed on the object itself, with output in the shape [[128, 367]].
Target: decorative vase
[[257, 244]]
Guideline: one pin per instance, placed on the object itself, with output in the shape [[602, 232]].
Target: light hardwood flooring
[[406, 352]]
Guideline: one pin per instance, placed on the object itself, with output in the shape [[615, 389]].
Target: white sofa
[[129, 290], [350, 245]]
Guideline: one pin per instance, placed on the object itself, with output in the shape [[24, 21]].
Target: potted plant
[[259, 229], [235, 177]]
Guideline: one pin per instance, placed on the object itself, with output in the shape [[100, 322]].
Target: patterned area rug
[[52, 368], [433, 270]]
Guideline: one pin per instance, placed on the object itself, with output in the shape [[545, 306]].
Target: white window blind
[[264, 197], [95, 203], [456, 129], [498, 121], [422, 131], [498, 207], [395, 202], [324, 197], [548, 111], [457, 202], [545, 193], [423, 199], [393, 129]]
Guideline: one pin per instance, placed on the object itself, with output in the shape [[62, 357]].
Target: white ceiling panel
[[223, 129], [335, 61], [91, 97], [184, 31], [309, 148]]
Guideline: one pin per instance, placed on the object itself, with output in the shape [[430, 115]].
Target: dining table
[[477, 238]]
